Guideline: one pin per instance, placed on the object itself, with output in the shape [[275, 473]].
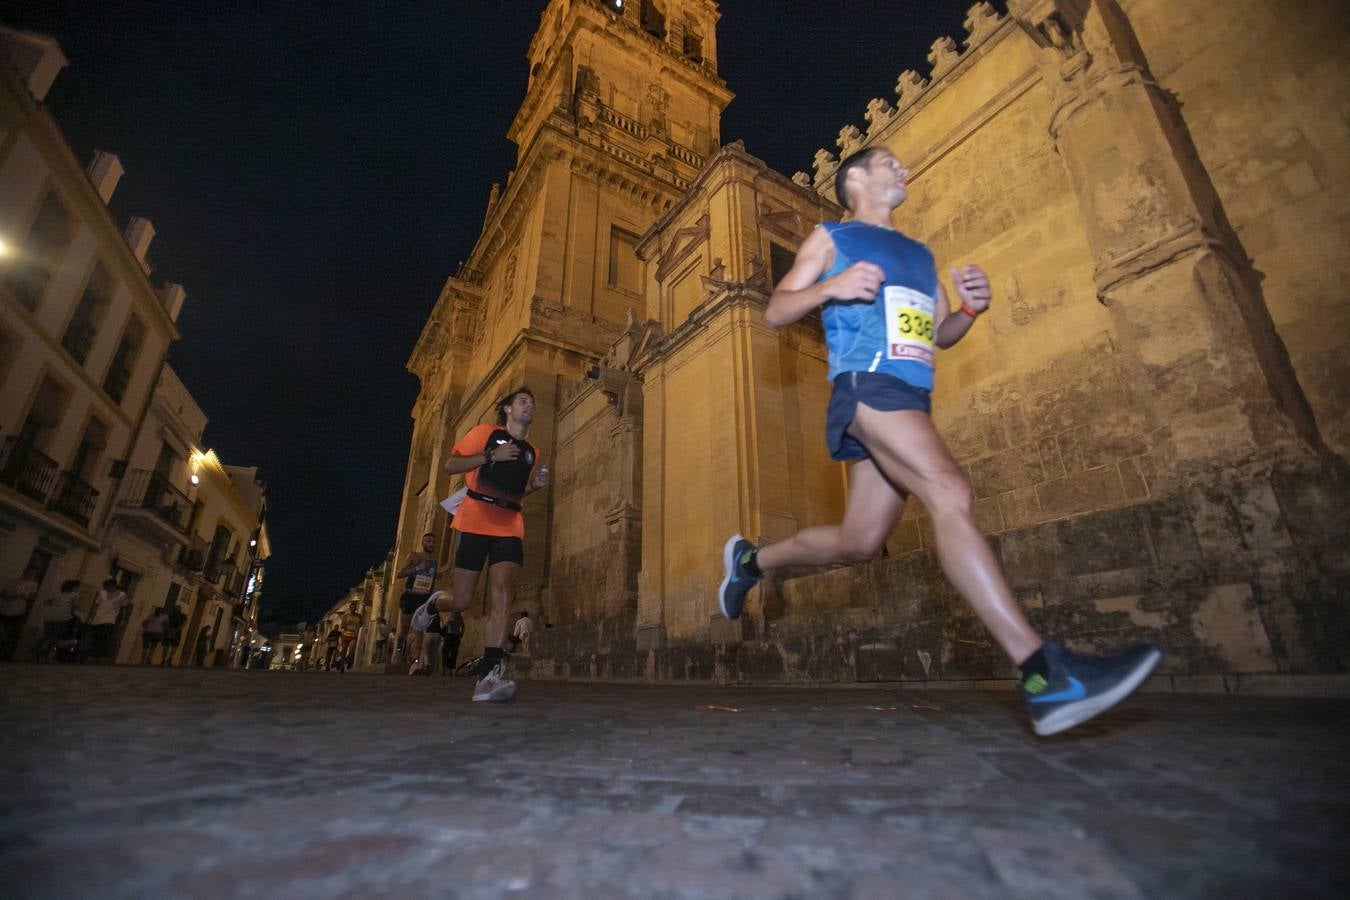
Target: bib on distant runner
[[909, 324], [421, 584]]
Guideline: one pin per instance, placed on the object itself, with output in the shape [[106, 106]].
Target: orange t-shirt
[[475, 516]]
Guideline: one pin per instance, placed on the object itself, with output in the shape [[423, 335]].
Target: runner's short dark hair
[[509, 399], [841, 174]]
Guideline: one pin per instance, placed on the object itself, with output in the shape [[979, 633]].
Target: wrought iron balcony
[[223, 572], [151, 491], [27, 469], [75, 499], [233, 583], [193, 555]]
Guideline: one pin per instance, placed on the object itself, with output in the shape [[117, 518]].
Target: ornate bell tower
[[622, 108]]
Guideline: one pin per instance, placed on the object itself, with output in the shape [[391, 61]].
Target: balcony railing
[[230, 579], [27, 469], [75, 498], [233, 584], [193, 556], [152, 491]]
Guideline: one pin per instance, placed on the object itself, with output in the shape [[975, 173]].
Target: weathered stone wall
[[1145, 413], [596, 527], [1263, 87]]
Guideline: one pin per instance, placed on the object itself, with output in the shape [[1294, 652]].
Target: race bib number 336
[[909, 325]]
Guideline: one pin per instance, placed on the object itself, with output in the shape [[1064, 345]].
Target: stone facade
[[101, 449], [619, 115], [1150, 414]]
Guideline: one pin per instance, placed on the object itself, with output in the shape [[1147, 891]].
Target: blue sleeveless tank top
[[893, 334]]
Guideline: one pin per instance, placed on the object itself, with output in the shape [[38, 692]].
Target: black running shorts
[[476, 549], [409, 602], [884, 393]]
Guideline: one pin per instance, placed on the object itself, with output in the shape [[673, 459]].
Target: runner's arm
[[801, 291], [973, 291], [458, 464], [950, 328]]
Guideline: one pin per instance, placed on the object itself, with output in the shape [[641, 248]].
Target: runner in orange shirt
[[500, 468]]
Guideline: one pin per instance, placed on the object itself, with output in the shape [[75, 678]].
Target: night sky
[[315, 171]]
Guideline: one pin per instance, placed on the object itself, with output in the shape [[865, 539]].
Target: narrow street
[[147, 783]]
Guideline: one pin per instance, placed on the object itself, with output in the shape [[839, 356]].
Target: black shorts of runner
[[884, 393], [475, 549], [409, 602]]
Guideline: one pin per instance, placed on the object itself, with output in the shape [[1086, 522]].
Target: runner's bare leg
[[907, 447]]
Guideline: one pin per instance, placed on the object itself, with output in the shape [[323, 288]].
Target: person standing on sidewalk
[[521, 631], [500, 468], [381, 639], [173, 632], [152, 634], [884, 312], [108, 606], [15, 603], [58, 613], [432, 641], [331, 642], [202, 647], [452, 631]]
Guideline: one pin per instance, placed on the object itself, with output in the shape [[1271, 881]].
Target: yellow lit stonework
[[1151, 414]]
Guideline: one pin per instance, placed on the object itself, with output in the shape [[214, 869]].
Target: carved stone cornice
[[734, 296], [1110, 274], [455, 323], [681, 244], [984, 27]]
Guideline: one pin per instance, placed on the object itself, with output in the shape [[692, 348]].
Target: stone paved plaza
[[175, 783]]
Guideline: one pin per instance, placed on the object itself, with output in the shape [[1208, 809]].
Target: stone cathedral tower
[[622, 108]]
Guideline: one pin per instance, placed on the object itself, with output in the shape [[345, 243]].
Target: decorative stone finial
[[850, 139], [944, 56], [825, 164], [801, 179], [981, 20], [879, 114], [908, 88]]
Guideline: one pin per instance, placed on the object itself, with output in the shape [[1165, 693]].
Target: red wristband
[[973, 313]]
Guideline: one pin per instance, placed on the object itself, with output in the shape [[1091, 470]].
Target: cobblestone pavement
[[155, 783]]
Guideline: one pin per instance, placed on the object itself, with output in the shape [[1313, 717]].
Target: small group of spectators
[[64, 632], [70, 635], [163, 630]]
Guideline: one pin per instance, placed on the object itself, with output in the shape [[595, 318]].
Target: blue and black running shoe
[[737, 582], [1079, 687]]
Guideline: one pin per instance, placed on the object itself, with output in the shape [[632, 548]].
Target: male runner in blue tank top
[[884, 312]]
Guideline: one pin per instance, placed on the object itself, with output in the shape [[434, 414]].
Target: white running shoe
[[426, 613], [494, 686]]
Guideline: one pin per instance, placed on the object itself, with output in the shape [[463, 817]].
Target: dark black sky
[[314, 172]]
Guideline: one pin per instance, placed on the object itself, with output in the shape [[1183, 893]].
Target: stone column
[[1187, 302]]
